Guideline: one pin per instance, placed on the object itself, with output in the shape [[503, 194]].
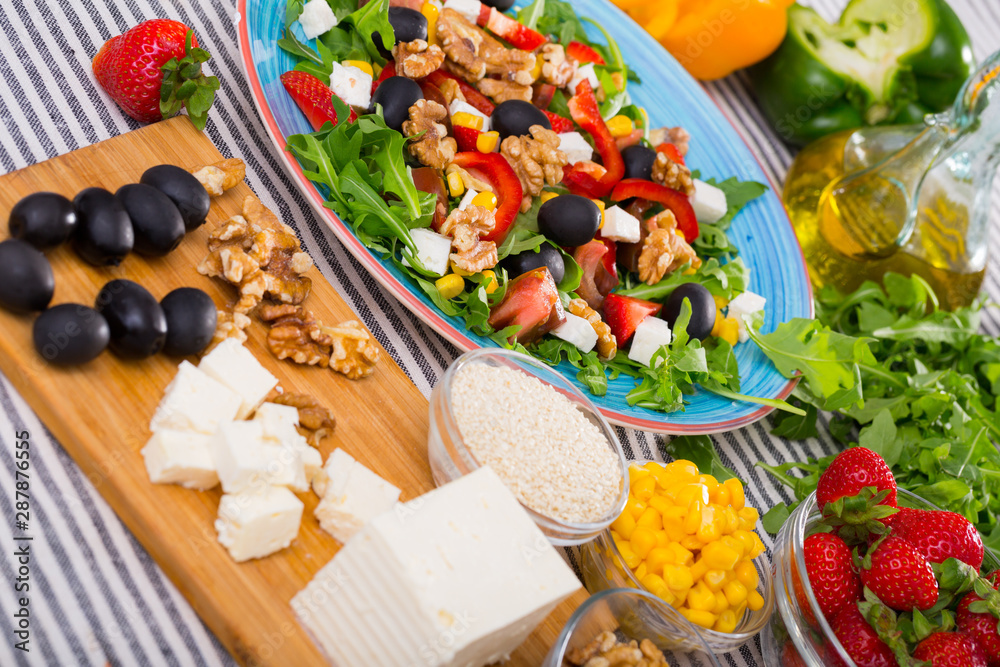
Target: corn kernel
[[450, 286], [690, 492], [700, 598], [721, 603], [682, 467], [466, 119], [720, 302], [493, 283], [755, 601], [758, 546], [717, 324], [691, 542], [654, 584], [735, 592], [643, 540], [681, 555], [693, 519], [721, 496], [641, 571], [459, 270], [487, 200], [746, 537], [650, 519], [736, 493], [547, 195], [662, 538], [749, 513], [643, 488], [739, 609], [487, 142], [677, 512], [747, 575], [362, 65], [734, 544], [730, 331], [715, 580], [710, 528], [662, 504], [620, 126], [600, 205], [636, 471], [678, 577], [631, 559], [657, 558], [430, 11], [710, 483], [633, 505], [730, 520], [536, 71], [698, 569], [719, 557], [624, 525], [705, 619], [726, 622], [456, 187]]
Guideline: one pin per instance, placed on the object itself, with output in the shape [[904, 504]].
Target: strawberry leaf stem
[[184, 85]]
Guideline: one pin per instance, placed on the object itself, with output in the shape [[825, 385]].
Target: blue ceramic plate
[[762, 230]]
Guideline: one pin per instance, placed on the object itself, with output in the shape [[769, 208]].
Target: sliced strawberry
[[671, 152], [472, 96], [510, 30], [624, 313], [428, 179], [899, 575], [542, 94], [630, 139], [559, 124], [596, 282], [387, 71], [950, 649], [531, 302], [582, 53], [466, 137], [313, 97]]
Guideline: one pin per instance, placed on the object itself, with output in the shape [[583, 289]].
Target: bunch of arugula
[[917, 384]]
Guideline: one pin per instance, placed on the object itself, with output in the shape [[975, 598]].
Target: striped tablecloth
[[96, 595]]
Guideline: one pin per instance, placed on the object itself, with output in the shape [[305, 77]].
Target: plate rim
[[432, 319]]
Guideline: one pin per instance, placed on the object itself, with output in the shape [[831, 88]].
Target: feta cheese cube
[[577, 331], [467, 8], [352, 496], [746, 305], [575, 147], [312, 462], [708, 202], [284, 467], [278, 421], [180, 457], [235, 366], [584, 72], [194, 401], [620, 225], [462, 575], [459, 105], [470, 194], [316, 18], [433, 250], [651, 334], [351, 84], [239, 456], [255, 524]]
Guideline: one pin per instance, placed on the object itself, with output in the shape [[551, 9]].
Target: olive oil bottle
[[913, 200]]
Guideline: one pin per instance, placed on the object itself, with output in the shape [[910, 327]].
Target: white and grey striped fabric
[[96, 595]]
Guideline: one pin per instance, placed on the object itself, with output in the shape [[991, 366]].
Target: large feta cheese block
[[461, 575], [316, 18], [620, 225], [575, 147], [433, 250], [351, 84], [235, 366], [180, 457], [458, 105], [578, 331], [194, 401], [746, 305], [352, 496], [651, 334], [257, 523], [708, 202]]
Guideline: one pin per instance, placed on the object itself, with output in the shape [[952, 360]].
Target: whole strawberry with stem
[[857, 494], [939, 535], [975, 620], [153, 70], [859, 640], [899, 575], [832, 576], [950, 649]]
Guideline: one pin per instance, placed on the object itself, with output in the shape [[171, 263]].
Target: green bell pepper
[[885, 61]]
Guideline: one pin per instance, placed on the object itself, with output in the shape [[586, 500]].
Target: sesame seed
[[552, 457]]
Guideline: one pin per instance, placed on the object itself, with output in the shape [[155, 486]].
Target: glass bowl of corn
[[689, 540]]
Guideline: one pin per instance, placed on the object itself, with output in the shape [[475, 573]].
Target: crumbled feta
[[194, 401], [467, 8], [748, 305], [352, 85], [584, 72], [651, 334], [470, 194], [235, 366], [433, 250], [620, 225], [352, 496], [577, 331], [458, 105], [316, 18], [575, 147], [708, 202]]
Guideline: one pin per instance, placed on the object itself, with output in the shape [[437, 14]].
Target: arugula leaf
[[530, 15], [293, 9], [722, 280], [290, 43], [738, 194], [559, 19]]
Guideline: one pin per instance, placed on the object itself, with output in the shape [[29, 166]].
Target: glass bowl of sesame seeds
[[546, 441]]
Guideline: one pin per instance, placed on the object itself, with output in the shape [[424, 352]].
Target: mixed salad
[[497, 160]]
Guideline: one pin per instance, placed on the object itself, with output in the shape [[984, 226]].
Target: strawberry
[[950, 649], [560, 124], [583, 53], [980, 625], [154, 69], [624, 313], [939, 535], [859, 640], [313, 97], [899, 575], [856, 493], [831, 573], [510, 30], [466, 137]]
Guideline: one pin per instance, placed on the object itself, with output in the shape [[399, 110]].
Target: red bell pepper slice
[[672, 152], [510, 30], [675, 201], [583, 106], [495, 170], [427, 179], [583, 53], [559, 124], [472, 96], [387, 71], [466, 137]]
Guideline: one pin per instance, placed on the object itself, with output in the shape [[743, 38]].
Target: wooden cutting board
[[100, 413]]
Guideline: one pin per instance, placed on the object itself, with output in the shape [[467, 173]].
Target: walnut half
[[355, 352], [465, 227], [672, 175], [220, 176], [665, 250], [316, 420], [434, 147], [295, 334], [417, 59], [536, 160]]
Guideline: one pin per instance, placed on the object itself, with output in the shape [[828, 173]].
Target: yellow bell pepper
[[713, 38]]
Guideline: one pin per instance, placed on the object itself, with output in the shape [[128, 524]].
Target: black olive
[[191, 318], [103, 234], [156, 222], [515, 117], [569, 220], [396, 95], [639, 162], [408, 24], [43, 219], [528, 260], [26, 280], [188, 195], [70, 334], [502, 6], [136, 321], [702, 309]]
